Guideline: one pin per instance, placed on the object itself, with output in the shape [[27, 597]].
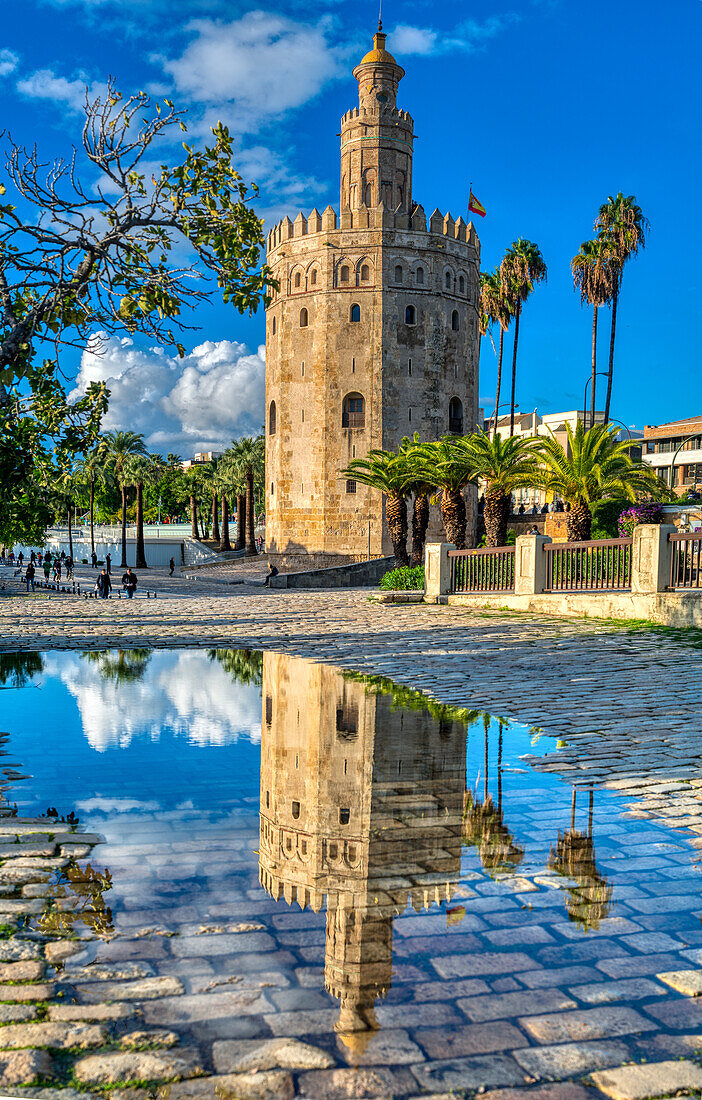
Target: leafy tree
[[78, 261], [494, 308], [387, 472], [121, 446], [504, 466], [622, 224], [93, 469], [595, 276], [593, 466], [522, 267]]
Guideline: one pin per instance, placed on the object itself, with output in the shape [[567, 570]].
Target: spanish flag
[[475, 206]]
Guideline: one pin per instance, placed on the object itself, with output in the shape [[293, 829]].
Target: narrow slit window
[[344, 815], [355, 312]]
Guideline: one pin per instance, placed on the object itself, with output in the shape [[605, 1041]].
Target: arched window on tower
[[304, 318], [455, 416], [344, 274], [298, 279], [461, 285], [419, 276], [353, 411], [410, 315], [272, 419], [313, 276], [398, 273], [454, 321], [365, 273], [355, 312]]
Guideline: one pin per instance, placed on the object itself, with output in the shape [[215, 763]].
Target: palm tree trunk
[[250, 532], [240, 521], [495, 516], [615, 299], [193, 517], [123, 563], [396, 511], [70, 531], [215, 517], [92, 510], [593, 387], [579, 523], [140, 562], [420, 522], [499, 378], [453, 515], [514, 367], [224, 543]]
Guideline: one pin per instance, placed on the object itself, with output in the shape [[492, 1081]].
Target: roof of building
[[378, 53], [674, 427]]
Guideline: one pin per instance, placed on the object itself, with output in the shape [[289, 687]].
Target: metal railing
[[600, 565], [489, 570], [686, 560]]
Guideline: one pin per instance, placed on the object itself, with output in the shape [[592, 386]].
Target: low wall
[[668, 608], [355, 575]]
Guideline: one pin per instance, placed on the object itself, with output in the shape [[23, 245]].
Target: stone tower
[[372, 335]]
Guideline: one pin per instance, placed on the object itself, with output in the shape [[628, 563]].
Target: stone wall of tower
[[377, 305]]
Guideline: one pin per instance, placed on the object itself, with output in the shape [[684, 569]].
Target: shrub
[[411, 577], [648, 512], [605, 518]]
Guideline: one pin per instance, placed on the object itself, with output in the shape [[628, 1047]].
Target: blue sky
[[546, 105]]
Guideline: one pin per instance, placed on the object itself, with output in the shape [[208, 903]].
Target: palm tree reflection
[[589, 898], [483, 822], [17, 669], [245, 666], [122, 666]]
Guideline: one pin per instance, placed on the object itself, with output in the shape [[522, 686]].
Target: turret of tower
[[377, 217]]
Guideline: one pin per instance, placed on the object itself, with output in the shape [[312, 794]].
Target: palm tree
[[94, 470], [442, 464], [223, 488], [250, 453], [387, 472], [623, 224], [193, 489], [594, 275], [592, 467], [420, 488], [494, 309], [504, 466], [64, 488], [234, 478], [142, 470], [120, 446], [522, 267]]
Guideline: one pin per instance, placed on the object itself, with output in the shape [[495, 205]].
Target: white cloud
[[8, 62], [406, 40], [255, 68], [184, 692], [213, 395], [45, 84]]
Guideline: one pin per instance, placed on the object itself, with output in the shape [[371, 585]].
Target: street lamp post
[[672, 464], [500, 406], [599, 373]]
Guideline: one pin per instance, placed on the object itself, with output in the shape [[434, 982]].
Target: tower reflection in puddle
[[361, 805]]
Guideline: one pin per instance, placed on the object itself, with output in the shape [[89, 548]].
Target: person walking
[[69, 567], [47, 566], [33, 557], [29, 576], [129, 582], [108, 564], [103, 585], [93, 558], [20, 558], [172, 567]]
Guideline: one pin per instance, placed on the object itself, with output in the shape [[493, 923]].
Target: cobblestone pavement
[[626, 704]]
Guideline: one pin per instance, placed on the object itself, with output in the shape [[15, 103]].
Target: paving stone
[[222, 944], [468, 966], [359, 1083], [15, 950], [60, 950], [56, 1035], [555, 1091], [105, 972], [508, 937], [59, 1094], [688, 982], [424, 1014], [436, 991], [253, 1056], [570, 1059], [629, 989], [651, 942], [559, 975], [23, 1067], [145, 989], [439, 1043], [590, 1023], [15, 1013], [469, 1073], [121, 1068], [638, 965], [388, 1046], [269, 1085], [40, 991], [500, 1006], [156, 1036], [92, 1012], [650, 1080], [173, 1011], [677, 1014], [28, 970]]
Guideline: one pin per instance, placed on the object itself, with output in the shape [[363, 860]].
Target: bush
[[605, 518], [407, 577], [648, 512]]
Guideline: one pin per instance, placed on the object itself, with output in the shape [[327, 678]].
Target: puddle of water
[[296, 851]]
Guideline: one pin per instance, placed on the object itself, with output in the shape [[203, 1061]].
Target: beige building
[[675, 452], [361, 806], [372, 336]]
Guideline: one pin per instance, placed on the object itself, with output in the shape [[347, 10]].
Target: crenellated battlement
[[376, 113], [378, 217]]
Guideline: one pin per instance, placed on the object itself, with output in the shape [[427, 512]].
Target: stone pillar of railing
[[650, 557], [437, 570], [530, 564]]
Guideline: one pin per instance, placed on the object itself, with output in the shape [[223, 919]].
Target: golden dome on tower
[[378, 53]]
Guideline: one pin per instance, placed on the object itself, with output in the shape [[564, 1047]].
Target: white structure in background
[[200, 457], [531, 424]]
